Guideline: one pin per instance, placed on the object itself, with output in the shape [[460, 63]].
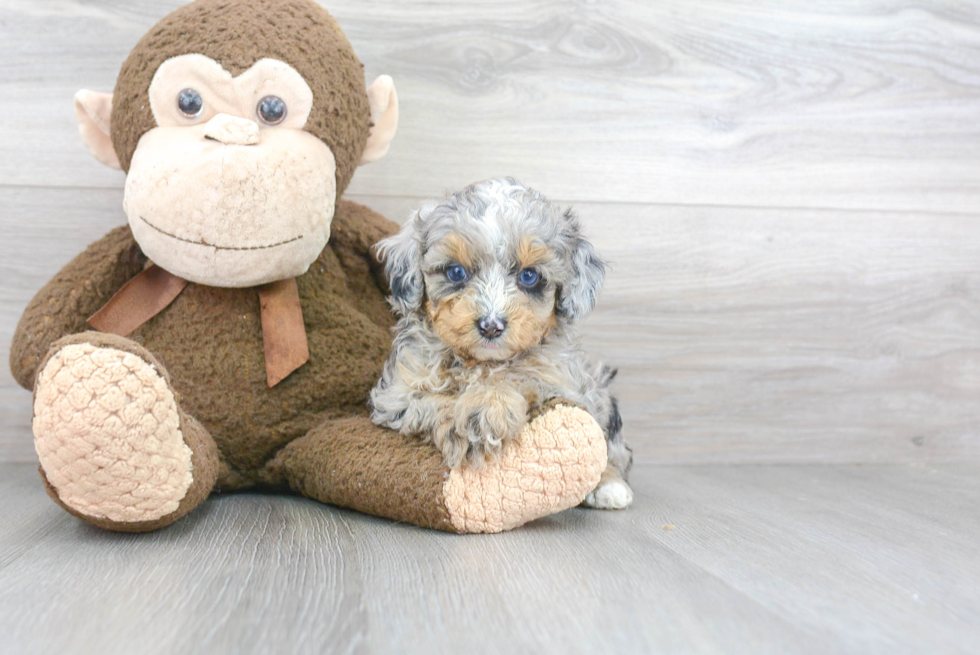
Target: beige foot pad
[[107, 432], [554, 464]]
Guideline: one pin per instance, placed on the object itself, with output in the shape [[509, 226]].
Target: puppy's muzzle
[[491, 327]]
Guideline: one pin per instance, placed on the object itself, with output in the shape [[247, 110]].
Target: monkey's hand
[[65, 303]]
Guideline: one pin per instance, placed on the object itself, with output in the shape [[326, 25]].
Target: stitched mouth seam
[[208, 245]]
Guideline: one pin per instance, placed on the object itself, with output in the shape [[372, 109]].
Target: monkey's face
[[229, 190], [239, 124]]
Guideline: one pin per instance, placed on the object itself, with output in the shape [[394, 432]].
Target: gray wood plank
[[874, 559], [884, 555], [29, 516], [741, 334], [268, 574], [868, 105]]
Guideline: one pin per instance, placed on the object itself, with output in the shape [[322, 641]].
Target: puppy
[[488, 286]]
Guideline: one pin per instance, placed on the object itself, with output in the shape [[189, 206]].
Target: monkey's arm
[[79, 289], [355, 229]]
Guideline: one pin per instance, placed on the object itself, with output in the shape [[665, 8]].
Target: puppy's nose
[[491, 327]]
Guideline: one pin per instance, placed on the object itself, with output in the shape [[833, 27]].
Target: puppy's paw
[[494, 424], [451, 443], [489, 418], [539, 408], [612, 493]]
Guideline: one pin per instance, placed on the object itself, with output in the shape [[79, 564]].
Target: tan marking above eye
[[531, 252], [455, 248]]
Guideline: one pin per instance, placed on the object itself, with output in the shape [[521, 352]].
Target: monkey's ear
[[92, 110], [384, 114]]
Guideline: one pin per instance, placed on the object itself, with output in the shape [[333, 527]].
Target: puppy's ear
[[577, 296], [401, 255]]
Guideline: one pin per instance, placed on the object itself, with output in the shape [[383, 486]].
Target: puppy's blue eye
[[528, 277], [456, 273]]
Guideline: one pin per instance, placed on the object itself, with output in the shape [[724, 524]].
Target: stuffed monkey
[[228, 337]]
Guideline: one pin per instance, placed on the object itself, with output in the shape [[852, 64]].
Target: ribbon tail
[[283, 330], [139, 300]]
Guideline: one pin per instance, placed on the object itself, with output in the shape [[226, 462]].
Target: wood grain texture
[[744, 334], [788, 194], [870, 105], [801, 559], [766, 335], [741, 334]]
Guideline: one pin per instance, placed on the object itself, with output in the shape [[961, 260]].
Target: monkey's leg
[[555, 462], [114, 446]]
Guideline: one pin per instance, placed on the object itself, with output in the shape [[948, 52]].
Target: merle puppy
[[489, 285]]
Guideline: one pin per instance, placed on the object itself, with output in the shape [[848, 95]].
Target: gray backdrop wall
[[788, 195]]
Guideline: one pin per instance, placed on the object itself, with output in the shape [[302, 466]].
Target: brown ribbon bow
[[152, 291]]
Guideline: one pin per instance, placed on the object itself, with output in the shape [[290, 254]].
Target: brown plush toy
[[240, 319]]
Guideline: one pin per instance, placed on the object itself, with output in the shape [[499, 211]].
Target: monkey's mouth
[[204, 243]]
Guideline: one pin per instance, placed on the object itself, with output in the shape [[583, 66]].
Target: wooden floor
[[789, 195], [712, 559]]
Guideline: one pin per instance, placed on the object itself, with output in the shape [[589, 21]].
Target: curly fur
[[448, 383]]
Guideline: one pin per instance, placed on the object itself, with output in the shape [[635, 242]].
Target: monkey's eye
[[271, 109], [456, 274], [528, 277], [190, 103]]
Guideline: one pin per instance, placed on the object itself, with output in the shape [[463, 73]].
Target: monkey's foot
[[556, 461], [114, 447]]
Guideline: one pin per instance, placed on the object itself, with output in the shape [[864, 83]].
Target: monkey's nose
[[232, 130], [491, 327]]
